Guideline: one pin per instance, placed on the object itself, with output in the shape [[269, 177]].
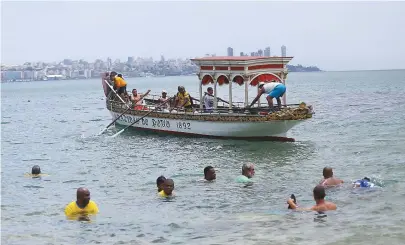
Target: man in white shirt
[[273, 90], [209, 100]]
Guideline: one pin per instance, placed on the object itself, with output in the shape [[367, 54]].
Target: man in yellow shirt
[[120, 85], [83, 206], [183, 99]]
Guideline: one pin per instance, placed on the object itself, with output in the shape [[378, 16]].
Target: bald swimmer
[[83, 205], [319, 197]]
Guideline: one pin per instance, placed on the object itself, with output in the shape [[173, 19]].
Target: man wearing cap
[[164, 101], [273, 90]]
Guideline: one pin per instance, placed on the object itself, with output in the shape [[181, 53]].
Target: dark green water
[[358, 129]]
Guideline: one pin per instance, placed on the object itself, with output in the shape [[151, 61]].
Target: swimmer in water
[[363, 183], [159, 182], [168, 187], [82, 207], [35, 172], [209, 173], [328, 179], [248, 171], [319, 197]]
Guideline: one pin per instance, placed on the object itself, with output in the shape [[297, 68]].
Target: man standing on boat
[[137, 99], [209, 100], [183, 100], [273, 90], [120, 85]]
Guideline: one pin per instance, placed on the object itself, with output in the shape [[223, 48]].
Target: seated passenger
[[137, 100], [183, 100], [164, 101]]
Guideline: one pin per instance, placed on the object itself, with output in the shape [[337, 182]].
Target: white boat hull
[[268, 130]]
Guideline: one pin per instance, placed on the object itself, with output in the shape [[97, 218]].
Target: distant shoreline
[[94, 78]]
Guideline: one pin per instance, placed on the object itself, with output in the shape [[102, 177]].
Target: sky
[[330, 35]]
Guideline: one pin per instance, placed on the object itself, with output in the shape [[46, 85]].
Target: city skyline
[[334, 36]]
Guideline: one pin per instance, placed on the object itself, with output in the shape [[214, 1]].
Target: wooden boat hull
[[266, 130]]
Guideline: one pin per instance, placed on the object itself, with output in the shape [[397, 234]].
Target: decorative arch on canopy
[[264, 77], [222, 79], [238, 79], [207, 79]]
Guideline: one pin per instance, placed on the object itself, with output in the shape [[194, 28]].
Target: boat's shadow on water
[[298, 149]]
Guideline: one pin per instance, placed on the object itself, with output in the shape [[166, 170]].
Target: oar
[[122, 130], [219, 99], [113, 121]]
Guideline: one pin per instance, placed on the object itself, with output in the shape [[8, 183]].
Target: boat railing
[[149, 104]]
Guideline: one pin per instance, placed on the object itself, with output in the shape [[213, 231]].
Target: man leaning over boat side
[[120, 85], [273, 90]]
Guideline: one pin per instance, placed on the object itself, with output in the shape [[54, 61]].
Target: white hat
[[261, 83], [164, 91]]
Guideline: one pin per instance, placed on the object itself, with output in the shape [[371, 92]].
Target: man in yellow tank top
[[183, 99], [120, 85], [83, 206]]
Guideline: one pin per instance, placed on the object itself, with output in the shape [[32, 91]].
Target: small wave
[[35, 159], [72, 181], [33, 186], [95, 120], [34, 213]]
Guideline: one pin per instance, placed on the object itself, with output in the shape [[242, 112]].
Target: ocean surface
[[358, 129]]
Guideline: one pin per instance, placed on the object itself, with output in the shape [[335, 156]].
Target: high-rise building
[[241, 54], [283, 51], [230, 51], [260, 52], [252, 53], [267, 52], [130, 60]]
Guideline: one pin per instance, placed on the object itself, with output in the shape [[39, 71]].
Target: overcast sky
[[333, 36]]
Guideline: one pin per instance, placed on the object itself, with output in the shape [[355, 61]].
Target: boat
[[231, 120]]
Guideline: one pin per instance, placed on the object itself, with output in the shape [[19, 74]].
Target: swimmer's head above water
[[36, 170], [209, 173], [248, 170], [327, 172], [159, 182], [168, 186]]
